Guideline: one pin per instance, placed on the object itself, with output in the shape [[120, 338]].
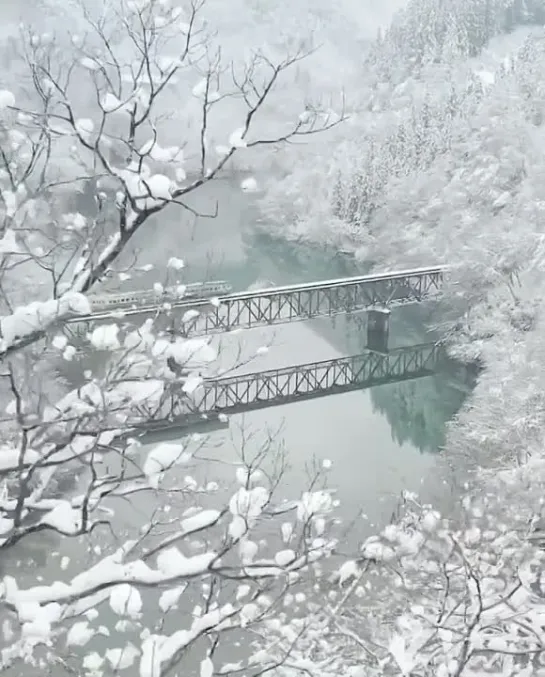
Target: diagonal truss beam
[[237, 394], [303, 302], [291, 303]]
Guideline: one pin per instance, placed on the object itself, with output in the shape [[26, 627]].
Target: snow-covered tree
[[133, 105], [91, 113], [428, 596], [211, 563], [462, 596]]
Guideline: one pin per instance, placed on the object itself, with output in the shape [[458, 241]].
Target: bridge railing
[[301, 302], [432, 272]]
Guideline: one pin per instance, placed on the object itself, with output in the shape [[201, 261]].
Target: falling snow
[[125, 600], [105, 337], [7, 99]]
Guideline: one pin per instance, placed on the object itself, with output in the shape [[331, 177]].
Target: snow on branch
[[96, 119], [204, 543], [34, 318], [464, 597], [233, 554], [93, 124]]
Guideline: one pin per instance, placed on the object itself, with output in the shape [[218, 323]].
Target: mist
[[241, 26]]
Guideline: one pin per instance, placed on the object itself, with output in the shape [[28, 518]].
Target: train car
[[146, 297]]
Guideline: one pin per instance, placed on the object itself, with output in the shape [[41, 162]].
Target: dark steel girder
[[271, 307], [294, 302]]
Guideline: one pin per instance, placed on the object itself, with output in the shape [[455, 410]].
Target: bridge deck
[[291, 303]]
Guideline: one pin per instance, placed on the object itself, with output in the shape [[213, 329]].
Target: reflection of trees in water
[[418, 411], [295, 263]]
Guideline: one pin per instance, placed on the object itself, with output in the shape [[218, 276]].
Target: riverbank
[[390, 429], [475, 204], [478, 207], [494, 466], [501, 335]]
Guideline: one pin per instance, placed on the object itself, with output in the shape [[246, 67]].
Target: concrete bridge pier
[[378, 329]]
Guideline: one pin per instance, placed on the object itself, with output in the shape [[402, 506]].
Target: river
[[380, 441]]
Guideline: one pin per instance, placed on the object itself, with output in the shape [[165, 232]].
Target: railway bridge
[[375, 294], [277, 305]]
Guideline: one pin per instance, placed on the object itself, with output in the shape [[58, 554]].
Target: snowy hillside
[[445, 164]]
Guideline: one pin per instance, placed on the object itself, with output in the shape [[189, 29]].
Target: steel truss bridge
[[278, 305], [247, 392]]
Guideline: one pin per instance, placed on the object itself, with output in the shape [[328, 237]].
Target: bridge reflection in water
[[247, 392]]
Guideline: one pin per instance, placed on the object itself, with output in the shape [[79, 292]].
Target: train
[[195, 290]]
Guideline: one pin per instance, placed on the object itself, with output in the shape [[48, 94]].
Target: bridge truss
[[237, 394], [291, 303], [258, 390]]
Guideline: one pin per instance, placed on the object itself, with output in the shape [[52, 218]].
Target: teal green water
[[380, 441]]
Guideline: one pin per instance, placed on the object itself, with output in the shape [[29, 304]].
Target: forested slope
[[445, 164]]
